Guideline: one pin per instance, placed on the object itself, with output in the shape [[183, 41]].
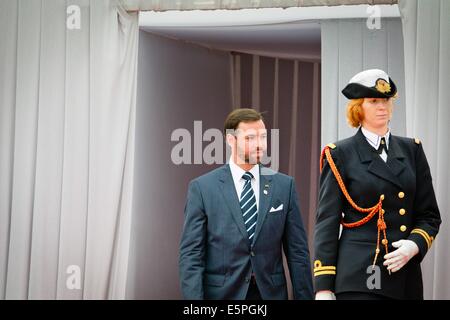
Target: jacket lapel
[[232, 200], [265, 196], [395, 157], [388, 171]]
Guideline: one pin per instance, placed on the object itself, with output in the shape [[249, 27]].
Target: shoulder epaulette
[[331, 146]]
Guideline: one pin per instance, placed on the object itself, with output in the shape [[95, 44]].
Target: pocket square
[[279, 208]]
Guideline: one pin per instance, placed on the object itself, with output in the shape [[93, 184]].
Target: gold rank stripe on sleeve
[[320, 270], [425, 235], [321, 273]]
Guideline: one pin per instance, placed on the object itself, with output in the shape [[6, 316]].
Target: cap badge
[[382, 86]]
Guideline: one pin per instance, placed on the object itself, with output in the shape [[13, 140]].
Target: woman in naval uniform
[[378, 187]]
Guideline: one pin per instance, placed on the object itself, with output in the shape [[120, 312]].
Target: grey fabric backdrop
[[426, 29], [177, 85], [67, 108]]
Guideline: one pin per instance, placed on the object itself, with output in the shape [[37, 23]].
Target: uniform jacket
[[216, 257], [342, 261]]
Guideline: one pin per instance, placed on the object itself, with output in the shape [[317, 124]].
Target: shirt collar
[[237, 172], [374, 139]]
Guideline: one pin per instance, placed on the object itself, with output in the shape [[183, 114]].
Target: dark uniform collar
[[389, 170], [374, 139], [366, 151]]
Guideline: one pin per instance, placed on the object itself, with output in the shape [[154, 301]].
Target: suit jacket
[[411, 212], [216, 257]]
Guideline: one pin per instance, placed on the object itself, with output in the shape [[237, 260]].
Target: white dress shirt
[[375, 140], [237, 173]]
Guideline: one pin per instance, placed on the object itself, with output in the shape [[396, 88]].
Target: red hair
[[355, 113]]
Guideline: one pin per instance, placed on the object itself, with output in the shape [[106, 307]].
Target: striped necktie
[[248, 206]]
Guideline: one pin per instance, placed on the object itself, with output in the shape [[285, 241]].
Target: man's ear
[[230, 139]]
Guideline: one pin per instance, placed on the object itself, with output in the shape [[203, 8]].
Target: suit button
[[401, 195], [402, 212], [247, 279], [252, 253], [403, 228]]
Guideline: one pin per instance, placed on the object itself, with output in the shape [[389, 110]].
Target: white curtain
[[348, 47], [67, 117], [162, 5], [426, 28]]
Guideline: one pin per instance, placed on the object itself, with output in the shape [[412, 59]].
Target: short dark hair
[[241, 115]]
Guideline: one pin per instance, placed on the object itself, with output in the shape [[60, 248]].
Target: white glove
[[325, 295], [398, 258]]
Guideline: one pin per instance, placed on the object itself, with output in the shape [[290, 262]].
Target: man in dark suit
[[237, 220]]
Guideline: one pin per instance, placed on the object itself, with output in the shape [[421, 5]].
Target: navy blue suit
[[216, 256]]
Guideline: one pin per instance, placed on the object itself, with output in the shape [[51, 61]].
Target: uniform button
[[402, 212], [403, 228], [401, 195], [382, 197], [382, 211], [252, 253]]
